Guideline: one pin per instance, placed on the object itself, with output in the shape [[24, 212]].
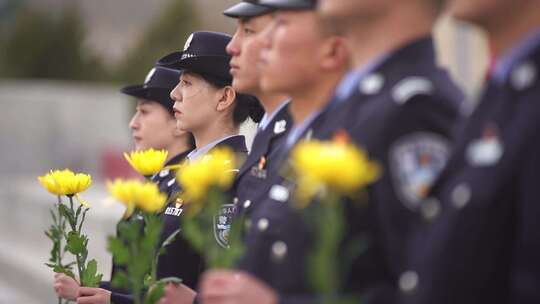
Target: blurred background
[[62, 63]]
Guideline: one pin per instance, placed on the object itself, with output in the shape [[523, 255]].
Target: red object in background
[[114, 165]]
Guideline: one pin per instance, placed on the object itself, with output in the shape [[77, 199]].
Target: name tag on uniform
[[174, 211]]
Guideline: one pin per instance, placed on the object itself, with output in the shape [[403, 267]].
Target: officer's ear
[[226, 98], [335, 54]]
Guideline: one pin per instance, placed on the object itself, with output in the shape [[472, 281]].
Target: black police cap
[[204, 53], [247, 9], [157, 87], [289, 4]]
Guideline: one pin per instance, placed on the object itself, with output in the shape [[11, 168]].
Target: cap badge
[[188, 42]]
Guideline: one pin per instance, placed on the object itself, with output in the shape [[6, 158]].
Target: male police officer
[[485, 246], [305, 61], [399, 106], [245, 49]]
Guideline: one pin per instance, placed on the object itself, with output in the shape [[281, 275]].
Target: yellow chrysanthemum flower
[[331, 165], [148, 162], [216, 169], [65, 182], [136, 194]]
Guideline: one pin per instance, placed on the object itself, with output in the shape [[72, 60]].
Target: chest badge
[[222, 224], [487, 150], [259, 171]]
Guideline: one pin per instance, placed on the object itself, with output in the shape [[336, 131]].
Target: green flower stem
[[73, 225], [326, 219], [137, 292], [61, 226]]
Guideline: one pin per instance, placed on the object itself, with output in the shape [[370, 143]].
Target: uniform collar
[[349, 83], [418, 49], [299, 129], [178, 158], [193, 155], [523, 49], [267, 119]]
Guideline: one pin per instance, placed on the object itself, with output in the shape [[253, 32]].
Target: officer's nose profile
[[233, 46], [176, 93], [134, 122]]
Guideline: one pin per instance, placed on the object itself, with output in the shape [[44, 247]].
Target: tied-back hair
[[246, 106]]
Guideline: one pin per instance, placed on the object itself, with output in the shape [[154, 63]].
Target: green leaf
[[75, 243], [67, 213], [89, 276], [130, 231], [53, 215], [155, 293], [63, 269], [169, 240], [120, 280], [118, 250]]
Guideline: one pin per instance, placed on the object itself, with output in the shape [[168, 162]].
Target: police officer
[[153, 126], [484, 246], [245, 49], [314, 60], [400, 107], [207, 105]]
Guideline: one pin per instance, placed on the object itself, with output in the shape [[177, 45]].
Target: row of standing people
[[453, 217]]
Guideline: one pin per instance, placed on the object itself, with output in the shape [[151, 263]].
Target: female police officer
[[153, 126], [206, 105]]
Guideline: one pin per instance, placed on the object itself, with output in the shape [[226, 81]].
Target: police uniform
[[401, 109], [484, 245], [157, 86], [204, 53], [262, 161], [181, 259]]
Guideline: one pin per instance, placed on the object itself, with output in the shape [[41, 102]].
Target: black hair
[[163, 97], [191, 141], [246, 106]]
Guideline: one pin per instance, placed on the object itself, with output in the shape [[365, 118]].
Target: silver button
[[523, 76], [461, 195], [247, 203], [262, 224], [372, 84], [430, 208], [279, 193], [235, 200], [279, 251], [163, 173], [408, 281]]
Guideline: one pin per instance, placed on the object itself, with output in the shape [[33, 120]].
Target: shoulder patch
[[415, 162], [409, 87]]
